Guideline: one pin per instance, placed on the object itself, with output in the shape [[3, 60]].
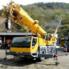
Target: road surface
[[48, 63]]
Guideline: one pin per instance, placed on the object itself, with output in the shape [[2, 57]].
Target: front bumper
[[26, 55]]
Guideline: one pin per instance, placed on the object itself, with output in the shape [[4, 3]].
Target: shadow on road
[[23, 62], [19, 62]]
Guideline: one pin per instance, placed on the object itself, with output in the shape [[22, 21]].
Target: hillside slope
[[49, 15]]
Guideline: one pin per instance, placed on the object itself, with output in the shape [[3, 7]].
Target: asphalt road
[[49, 63]]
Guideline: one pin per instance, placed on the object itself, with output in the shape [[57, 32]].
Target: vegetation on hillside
[[49, 16]]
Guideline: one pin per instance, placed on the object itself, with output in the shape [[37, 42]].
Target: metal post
[[5, 48]]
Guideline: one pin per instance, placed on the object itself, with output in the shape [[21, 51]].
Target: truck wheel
[[40, 58]]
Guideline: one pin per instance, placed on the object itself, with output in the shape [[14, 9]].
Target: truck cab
[[24, 46]]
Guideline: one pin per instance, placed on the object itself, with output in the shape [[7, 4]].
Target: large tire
[[40, 58]]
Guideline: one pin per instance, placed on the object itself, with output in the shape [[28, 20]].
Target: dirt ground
[[48, 63]]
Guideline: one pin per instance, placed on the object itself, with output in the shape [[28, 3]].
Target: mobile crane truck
[[28, 46]]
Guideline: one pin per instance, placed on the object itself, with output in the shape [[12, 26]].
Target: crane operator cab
[[24, 46]]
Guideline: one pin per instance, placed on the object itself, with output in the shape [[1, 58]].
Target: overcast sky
[[25, 2]]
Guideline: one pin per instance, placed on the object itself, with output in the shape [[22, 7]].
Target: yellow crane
[[28, 46]]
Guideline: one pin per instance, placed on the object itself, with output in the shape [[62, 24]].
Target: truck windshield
[[21, 42]]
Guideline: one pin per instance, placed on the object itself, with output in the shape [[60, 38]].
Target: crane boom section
[[23, 19]]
